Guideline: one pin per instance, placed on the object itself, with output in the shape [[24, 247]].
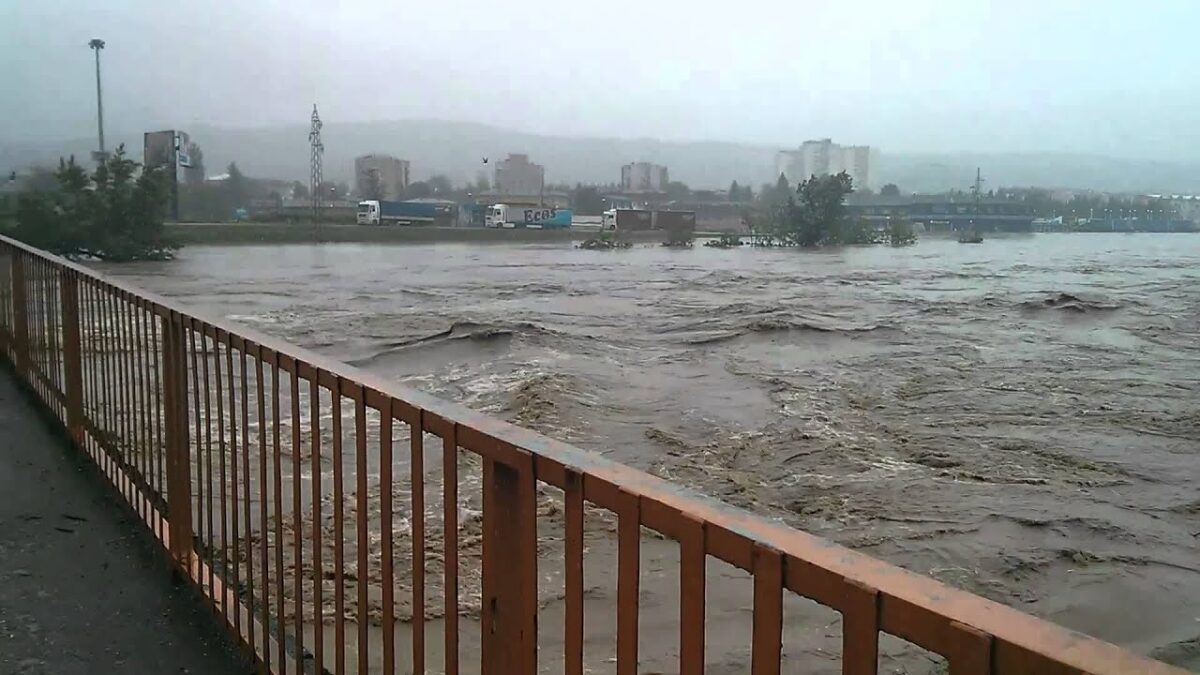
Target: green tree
[[109, 215], [587, 200], [194, 174], [299, 190], [237, 187], [735, 191], [678, 191], [418, 190], [816, 216], [889, 190]]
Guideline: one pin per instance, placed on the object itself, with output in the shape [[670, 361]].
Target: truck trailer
[[379, 212], [532, 217]]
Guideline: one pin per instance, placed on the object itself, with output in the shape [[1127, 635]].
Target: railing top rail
[[911, 606]]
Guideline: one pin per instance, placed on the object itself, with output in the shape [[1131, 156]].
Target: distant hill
[[457, 149]]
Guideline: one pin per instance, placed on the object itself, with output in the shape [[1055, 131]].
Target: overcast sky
[[1101, 76]]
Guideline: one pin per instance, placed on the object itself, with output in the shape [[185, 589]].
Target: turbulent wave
[[1069, 303], [777, 324]]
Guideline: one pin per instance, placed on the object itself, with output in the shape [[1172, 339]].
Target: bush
[[901, 233], [109, 215]]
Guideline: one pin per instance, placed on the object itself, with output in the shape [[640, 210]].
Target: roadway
[[83, 587]]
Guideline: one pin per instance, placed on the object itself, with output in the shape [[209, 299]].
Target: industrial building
[[824, 157], [390, 172], [644, 178]]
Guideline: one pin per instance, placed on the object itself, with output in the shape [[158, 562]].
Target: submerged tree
[[113, 214], [816, 215]]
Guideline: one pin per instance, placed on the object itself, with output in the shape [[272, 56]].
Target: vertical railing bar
[[297, 520], [139, 450], [137, 406], [628, 580], [160, 415], [247, 480], [128, 444], [147, 408], [692, 570], [767, 642], [860, 629], [178, 465], [450, 545], [277, 487], [53, 321], [72, 356], [417, 485], [510, 578], [360, 523], [226, 588], [339, 590], [573, 574], [208, 462], [385, 532], [314, 414], [111, 433], [263, 497], [190, 327], [234, 487]]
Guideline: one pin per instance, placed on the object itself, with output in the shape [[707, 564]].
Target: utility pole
[[317, 148], [97, 44]]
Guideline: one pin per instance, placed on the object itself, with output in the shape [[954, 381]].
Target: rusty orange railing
[[269, 473]]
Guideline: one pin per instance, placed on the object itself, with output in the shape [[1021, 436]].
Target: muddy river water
[[1019, 418]]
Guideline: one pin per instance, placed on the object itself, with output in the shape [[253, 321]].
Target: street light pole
[[97, 44]]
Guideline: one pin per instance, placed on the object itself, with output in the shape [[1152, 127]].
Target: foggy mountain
[[458, 148]]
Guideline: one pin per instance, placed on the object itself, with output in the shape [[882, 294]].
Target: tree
[[889, 190], [109, 215], [587, 200], [678, 191], [299, 190], [237, 187], [372, 185], [816, 216], [440, 185], [194, 174], [418, 190], [735, 191], [747, 193]]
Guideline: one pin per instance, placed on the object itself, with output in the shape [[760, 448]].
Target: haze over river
[[1019, 418]]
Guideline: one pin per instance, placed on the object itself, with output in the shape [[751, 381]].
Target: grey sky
[[1110, 77]]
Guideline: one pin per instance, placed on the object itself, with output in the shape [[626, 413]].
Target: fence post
[[20, 315], [509, 568], [179, 480], [72, 353]]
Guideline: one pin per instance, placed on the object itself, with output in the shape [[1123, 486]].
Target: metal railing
[[279, 483]]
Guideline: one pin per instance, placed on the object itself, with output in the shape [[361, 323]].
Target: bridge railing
[[299, 495]]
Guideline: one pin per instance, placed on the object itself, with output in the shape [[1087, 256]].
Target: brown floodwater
[[1020, 419]]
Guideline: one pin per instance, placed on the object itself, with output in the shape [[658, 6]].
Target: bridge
[[332, 521]]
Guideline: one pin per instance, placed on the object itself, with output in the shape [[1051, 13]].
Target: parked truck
[[533, 217], [631, 220], [627, 220], [379, 212]]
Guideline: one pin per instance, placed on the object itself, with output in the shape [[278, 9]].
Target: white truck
[[533, 217]]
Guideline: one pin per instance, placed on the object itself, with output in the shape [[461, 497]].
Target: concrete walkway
[[82, 588]]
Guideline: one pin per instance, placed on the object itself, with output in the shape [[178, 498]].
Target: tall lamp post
[[97, 44]]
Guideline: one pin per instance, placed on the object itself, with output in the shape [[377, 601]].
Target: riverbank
[[284, 233]]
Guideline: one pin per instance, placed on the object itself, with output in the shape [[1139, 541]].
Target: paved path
[[82, 588]]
